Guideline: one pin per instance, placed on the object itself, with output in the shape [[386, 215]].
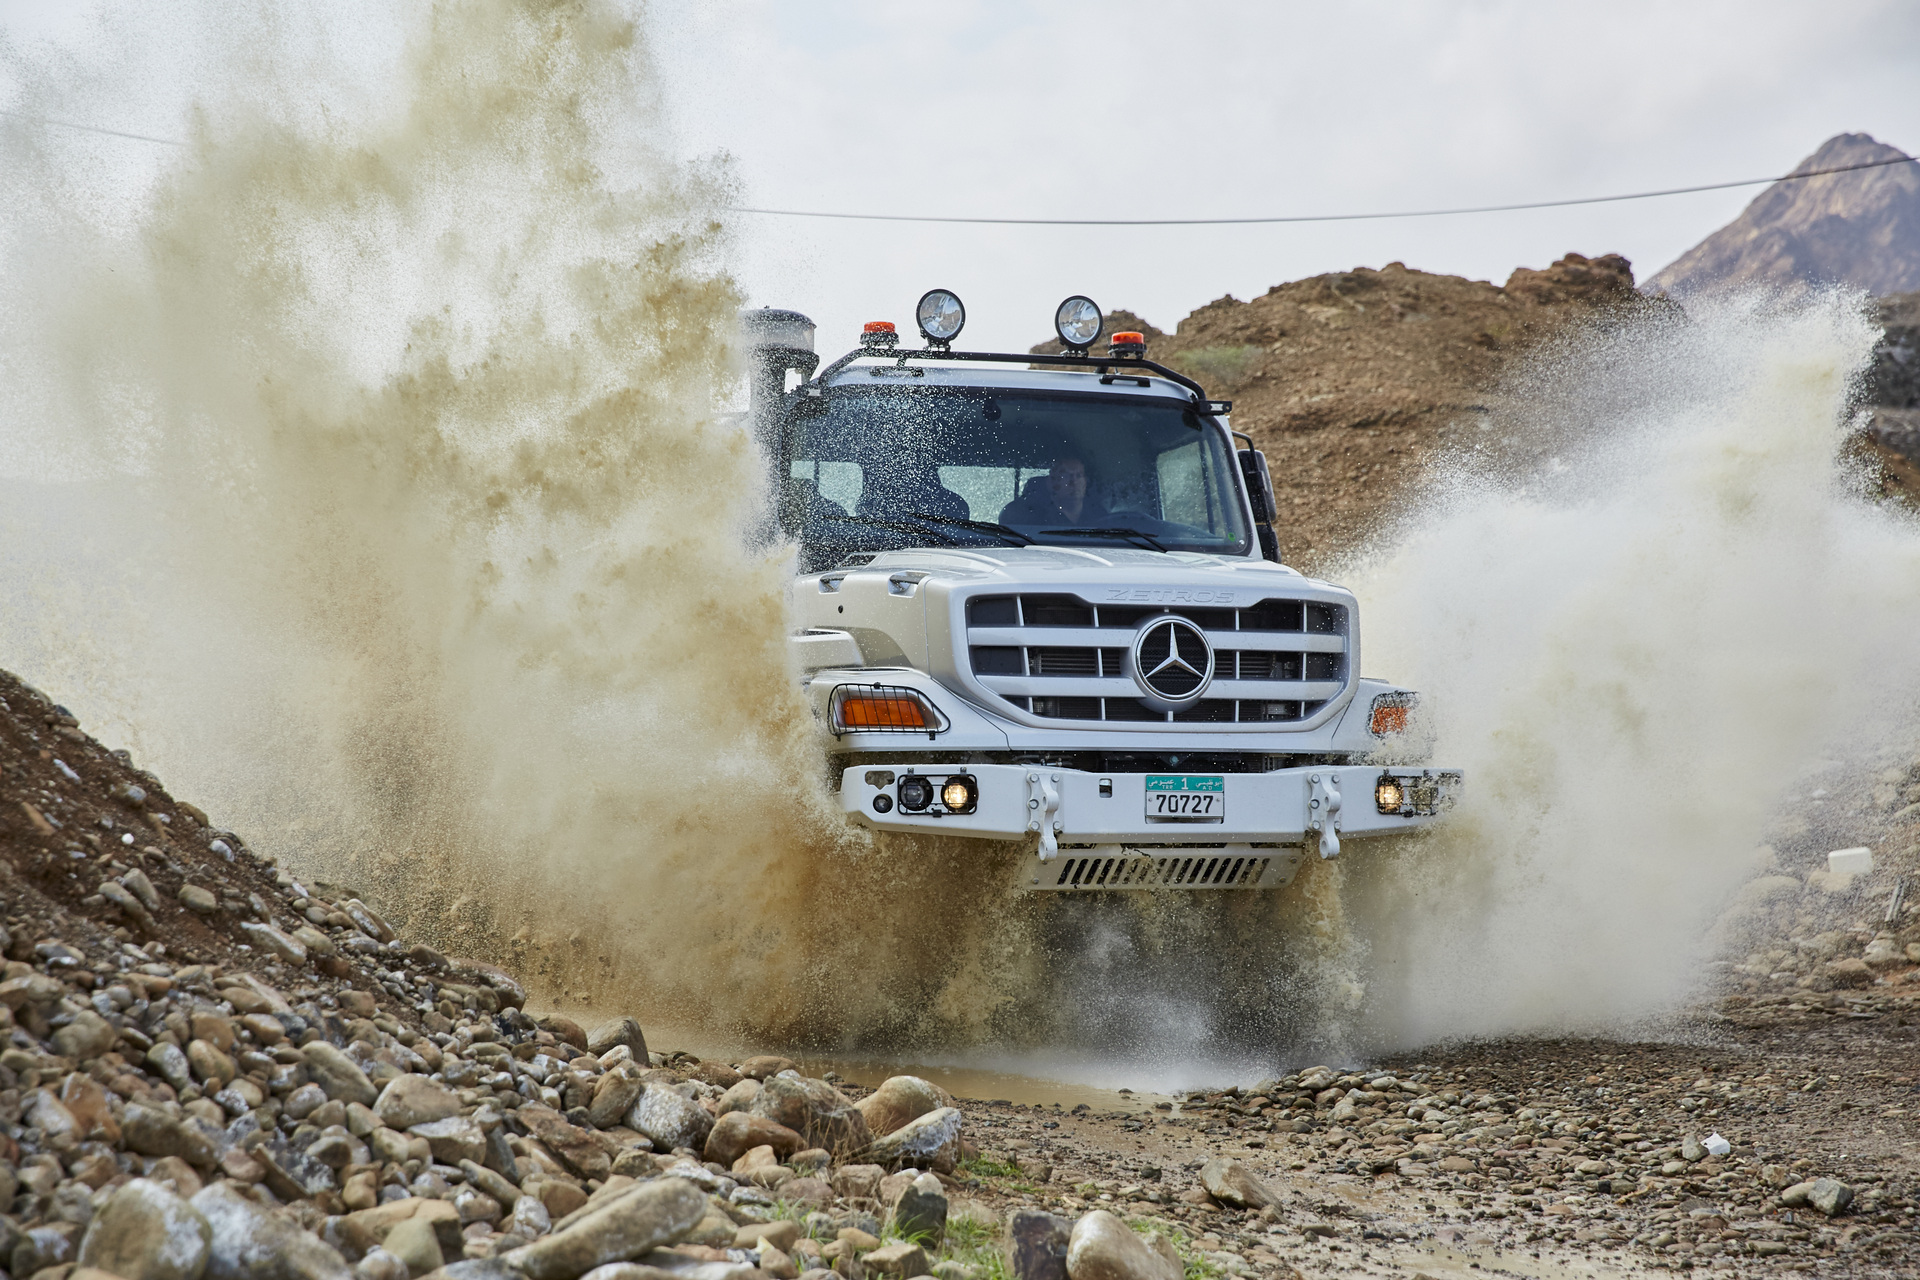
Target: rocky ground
[[213, 1069]]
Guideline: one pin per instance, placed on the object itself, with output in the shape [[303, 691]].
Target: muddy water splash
[[366, 482], [1634, 623]]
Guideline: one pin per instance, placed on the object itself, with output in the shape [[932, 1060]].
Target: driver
[[1056, 499]]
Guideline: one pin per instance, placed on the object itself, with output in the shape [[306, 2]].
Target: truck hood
[[1038, 565]]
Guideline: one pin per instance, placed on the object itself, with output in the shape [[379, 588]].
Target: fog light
[[958, 795], [940, 316], [916, 793], [882, 804], [1388, 796]]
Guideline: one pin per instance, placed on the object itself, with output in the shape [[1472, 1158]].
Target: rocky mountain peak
[[1860, 228]]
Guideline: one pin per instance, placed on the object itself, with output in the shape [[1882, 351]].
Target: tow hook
[[1043, 808], [1323, 811]]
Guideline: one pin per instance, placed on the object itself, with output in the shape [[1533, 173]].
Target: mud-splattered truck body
[[1041, 600]]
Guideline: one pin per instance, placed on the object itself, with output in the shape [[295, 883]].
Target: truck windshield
[[883, 468]]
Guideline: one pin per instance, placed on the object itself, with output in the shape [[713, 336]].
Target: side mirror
[[1253, 469]]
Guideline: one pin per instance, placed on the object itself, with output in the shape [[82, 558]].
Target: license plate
[[1186, 797]]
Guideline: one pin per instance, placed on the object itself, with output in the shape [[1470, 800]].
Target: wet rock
[[738, 1132], [413, 1099], [921, 1211], [564, 1029], [669, 1120], [152, 1132], [766, 1066], [898, 1100], [615, 1032], [1231, 1182], [931, 1141], [1038, 1244], [338, 1076], [250, 1244], [625, 1226], [453, 1139], [1105, 1248], [146, 1232], [1828, 1195], [815, 1110], [88, 1036]]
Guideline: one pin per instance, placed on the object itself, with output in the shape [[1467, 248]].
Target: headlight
[[940, 315], [1388, 796], [959, 795], [916, 793], [1078, 321]]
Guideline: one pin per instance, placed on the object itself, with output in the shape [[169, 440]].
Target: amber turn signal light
[[883, 708], [1389, 714]]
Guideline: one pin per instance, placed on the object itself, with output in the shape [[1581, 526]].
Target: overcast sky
[[992, 107]]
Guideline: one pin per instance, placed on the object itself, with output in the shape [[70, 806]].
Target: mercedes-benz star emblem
[[1171, 661]]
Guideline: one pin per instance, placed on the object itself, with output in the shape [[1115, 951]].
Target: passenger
[[1058, 499]]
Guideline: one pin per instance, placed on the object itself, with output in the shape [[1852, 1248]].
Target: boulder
[[267, 938], [1829, 1196], [367, 1228], [414, 1099], [151, 1132], [625, 1225], [902, 1261], [1103, 1247], [338, 1076], [1848, 973], [615, 1032], [1038, 1244], [931, 1141], [92, 1113], [815, 1110], [414, 1242], [781, 1233], [453, 1139], [146, 1232], [564, 1029], [250, 1244], [669, 1120], [169, 1062], [88, 1036], [1231, 1182], [577, 1148], [614, 1097], [898, 1100], [212, 1068], [921, 1211], [738, 1132], [738, 1098], [860, 1182], [766, 1066]]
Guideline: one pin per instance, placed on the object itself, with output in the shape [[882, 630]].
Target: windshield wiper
[[1012, 537], [1108, 533]]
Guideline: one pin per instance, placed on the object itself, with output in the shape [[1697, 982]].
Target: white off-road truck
[[1041, 600]]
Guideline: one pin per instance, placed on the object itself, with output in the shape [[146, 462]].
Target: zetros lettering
[[1168, 595]]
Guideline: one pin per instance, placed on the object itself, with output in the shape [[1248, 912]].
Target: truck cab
[[1041, 600]]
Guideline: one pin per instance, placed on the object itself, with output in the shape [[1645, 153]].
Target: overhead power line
[[1168, 222], [1318, 217], [88, 128]]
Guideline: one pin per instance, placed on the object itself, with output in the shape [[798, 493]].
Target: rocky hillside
[[1861, 229], [1350, 382]]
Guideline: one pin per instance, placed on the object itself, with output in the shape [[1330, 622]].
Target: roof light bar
[[940, 316], [1078, 322]]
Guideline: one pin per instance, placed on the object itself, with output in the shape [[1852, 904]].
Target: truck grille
[[1061, 658]]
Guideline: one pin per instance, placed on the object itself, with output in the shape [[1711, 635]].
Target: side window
[[839, 482], [1184, 496]]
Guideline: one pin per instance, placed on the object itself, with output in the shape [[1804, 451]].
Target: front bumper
[[1091, 830]]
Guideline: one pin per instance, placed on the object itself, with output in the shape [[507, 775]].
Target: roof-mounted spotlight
[[940, 316], [1078, 322]]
